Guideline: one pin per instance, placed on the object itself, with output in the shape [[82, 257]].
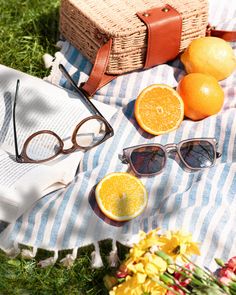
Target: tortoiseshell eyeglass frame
[[24, 158]]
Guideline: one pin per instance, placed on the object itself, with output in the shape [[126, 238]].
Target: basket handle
[[229, 36], [98, 77]]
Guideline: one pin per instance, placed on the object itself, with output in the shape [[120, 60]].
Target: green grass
[[20, 276], [28, 29], [24, 277]]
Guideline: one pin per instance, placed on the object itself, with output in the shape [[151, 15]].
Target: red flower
[[232, 264], [181, 279], [226, 272], [225, 281], [122, 271]]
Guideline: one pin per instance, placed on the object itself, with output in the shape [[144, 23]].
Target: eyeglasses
[[89, 133], [150, 159]]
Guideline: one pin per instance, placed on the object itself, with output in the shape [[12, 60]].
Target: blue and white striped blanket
[[203, 202]]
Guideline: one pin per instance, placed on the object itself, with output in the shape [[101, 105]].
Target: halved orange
[[159, 109], [121, 196]]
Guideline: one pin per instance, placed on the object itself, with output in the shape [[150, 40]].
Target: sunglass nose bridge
[[171, 147]]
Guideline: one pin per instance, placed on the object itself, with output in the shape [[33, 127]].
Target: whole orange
[[202, 95], [211, 56]]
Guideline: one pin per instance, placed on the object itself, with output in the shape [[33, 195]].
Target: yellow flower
[[141, 277], [158, 262], [145, 267], [138, 285], [135, 267], [153, 265], [136, 252], [151, 270], [178, 245], [149, 286], [129, 287], [148, 240]]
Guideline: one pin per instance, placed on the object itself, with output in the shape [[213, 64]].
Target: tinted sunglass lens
[[198, 154], [148, 160]]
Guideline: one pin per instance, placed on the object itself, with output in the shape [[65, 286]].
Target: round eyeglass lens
[[198, 154], [90, 133], [148, 160], [43, 146]]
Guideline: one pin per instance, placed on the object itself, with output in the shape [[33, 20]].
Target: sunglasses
[[89, 133], [150, 159]]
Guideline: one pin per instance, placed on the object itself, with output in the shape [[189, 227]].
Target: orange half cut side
[[159, 109], [121, 196]]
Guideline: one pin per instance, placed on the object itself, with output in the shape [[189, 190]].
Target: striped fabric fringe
[[202, 203]]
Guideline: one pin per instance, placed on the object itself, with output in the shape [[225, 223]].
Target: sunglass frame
[[127, 152]]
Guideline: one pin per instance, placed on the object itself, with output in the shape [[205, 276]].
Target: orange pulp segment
[[159, 109], [121, 196]]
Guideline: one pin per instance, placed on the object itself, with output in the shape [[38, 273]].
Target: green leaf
[[220, 262], [164, 256], [208, 290], [167, 280], [120, 280]]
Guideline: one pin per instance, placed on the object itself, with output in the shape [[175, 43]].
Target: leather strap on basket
[[229, 36], [164, 35], [97, 77], [164, 26]]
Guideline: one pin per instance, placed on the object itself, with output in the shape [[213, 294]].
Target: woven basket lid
[[88, 24], [118, 17]]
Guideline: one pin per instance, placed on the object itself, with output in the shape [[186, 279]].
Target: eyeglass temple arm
[[82, 93], [14, 121]]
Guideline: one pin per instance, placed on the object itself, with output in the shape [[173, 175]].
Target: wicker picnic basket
[[88, 24]]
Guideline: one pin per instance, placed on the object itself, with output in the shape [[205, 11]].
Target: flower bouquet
[[159, 264]]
